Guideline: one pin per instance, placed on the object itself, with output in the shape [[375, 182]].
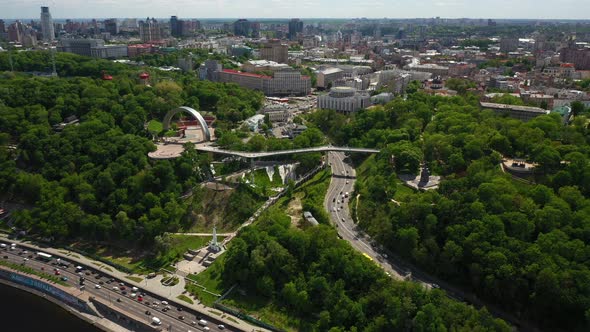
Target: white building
[[327, 76], [344, 99], [47, 25]]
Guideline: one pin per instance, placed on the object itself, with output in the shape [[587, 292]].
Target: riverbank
[[88, 322]]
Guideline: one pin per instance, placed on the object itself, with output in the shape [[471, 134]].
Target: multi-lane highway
[[172, 316]]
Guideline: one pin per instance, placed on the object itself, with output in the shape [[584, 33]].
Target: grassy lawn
[[211, 280], [142, 262], [155, 126], [136, 279], [185, 298], [402, 192], [263, 309]]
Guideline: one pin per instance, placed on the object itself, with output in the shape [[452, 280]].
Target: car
[[146, 303], [181, 317], [435, 286], [121, 284], [221, 327], [343, 220], [101, 282], [147, 312], [164, 302], [25, 259], [88, 273], [97, 286], [5, 257], [118, 299], [347, 181], [108, 281], [151, 275], [25, 252], [179, 309], [30, 256], [122, 287], [115, 288], [57, 272], [132, 295], [193, 323], [139, 298], [206, 328], [334, 209], [135, 289], [124, 292], [64, 278]]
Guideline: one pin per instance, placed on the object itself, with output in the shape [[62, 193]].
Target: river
[[23, 311]]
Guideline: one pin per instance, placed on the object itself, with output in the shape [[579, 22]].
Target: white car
[[164, 302], [97, 286], [116, 288], [132, 294], [221, 327]]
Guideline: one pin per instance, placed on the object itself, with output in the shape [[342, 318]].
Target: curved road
[[343, 178]]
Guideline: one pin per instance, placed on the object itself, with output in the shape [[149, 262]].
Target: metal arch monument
[[194, 113]]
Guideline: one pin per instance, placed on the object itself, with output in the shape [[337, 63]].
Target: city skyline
[[525, 9]]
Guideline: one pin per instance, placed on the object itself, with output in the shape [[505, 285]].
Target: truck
[[156, 321]]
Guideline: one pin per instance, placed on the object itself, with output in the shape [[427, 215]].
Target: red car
[[139, 298], [57, 272], [122, 288]]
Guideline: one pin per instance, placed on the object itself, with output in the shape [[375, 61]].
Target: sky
[[533, 9]]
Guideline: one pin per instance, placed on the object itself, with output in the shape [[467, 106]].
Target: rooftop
[[237, 72], [514, 107]]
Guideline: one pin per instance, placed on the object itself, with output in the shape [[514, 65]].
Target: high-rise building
[[111, 26], [16, 32], [580, 57], [243, 27], [2, 26], [508, 45], [275, 51], [295, 27], [150, 30], [47, 25], [175, 26]]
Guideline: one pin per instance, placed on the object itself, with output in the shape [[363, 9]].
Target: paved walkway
[[153, 285]]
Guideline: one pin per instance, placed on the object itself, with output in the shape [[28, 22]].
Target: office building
[[175, 26], [523, 113], [344, 99], [47, 25], [326, 77], [295, 27], [275, 51], [287, 83], [243, 27], [150, 30], [111, 26], [508, 45], [92, 47]]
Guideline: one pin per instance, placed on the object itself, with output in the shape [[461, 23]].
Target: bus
[[44, 257], [367, 256]]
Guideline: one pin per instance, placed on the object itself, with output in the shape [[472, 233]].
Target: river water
[[23, 311]]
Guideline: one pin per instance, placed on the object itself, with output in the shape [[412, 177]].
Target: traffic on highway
[[121, 296]]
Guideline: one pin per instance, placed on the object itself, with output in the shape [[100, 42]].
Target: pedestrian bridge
[[253, 155]]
